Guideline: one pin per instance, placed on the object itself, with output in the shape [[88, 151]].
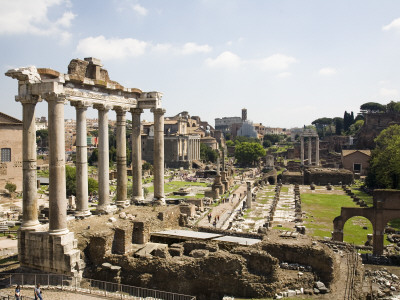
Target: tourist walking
[[38, 293], [17, 293]]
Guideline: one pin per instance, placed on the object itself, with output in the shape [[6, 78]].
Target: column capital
[[158, 111], [81, 104], [102, 106], [136, 110], [28, 99], [121, 110], [52, 96]]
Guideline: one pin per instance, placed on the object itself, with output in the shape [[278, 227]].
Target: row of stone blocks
[[356, 199], [50, 253]]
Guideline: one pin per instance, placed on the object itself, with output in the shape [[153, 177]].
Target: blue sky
[[287, 62]]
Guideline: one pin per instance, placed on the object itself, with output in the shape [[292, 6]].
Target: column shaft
[[137, 190], [103, 161], [122, 177], [82, 190], [317, 151], [29, 198], [159, 155], [57, 183], [309, 151], [302, 150]]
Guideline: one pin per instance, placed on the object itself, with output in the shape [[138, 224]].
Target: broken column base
[[159, 201], [50, 253], [105, 210]]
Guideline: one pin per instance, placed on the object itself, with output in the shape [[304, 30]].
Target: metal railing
[[88, 286]]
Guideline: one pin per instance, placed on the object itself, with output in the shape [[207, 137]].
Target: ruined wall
[[321, 176], [320, 258]]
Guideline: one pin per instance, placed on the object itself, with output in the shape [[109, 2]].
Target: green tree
[[384, 169], [249, 153], [147, 166], [94, 157], [321, 124], [271, 139], [42, 138], [356, 127], [372, 107], [208, 154], [338, 125], [11, 187], [70, 178], [229, 143]]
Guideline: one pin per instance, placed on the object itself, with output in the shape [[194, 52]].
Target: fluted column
[[103, 160], [29, 185], [317, 151], [302, 150], [82, 190], [159, 155], [137, 190], [122, 177], [309, 151], [57, 183]]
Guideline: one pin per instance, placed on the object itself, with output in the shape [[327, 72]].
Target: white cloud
[[276, 62], [140, 9], [65, 20], [284, 75], [190, 48], [395, 24], [31, 17], [225, 60], [384, 92], [114, 48], [327, 71]]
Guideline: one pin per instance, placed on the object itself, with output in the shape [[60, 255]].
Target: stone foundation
[[50, 253]]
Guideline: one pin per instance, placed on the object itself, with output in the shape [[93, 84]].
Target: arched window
[[5, 154]]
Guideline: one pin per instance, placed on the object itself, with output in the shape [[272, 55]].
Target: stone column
[[159, 155], [103, 161], [309, 151], [29, 198], [317, 151], [82, 190], [137, 190], [57, 183], [122, 177], [302, 150], [249, 195]]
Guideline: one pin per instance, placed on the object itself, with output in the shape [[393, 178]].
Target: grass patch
[[321, 209]]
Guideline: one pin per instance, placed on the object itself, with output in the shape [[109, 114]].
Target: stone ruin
[[87, 84], [133, 253], [386, 207]]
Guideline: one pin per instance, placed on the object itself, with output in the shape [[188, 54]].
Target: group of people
[[37, 293], [216, 219]]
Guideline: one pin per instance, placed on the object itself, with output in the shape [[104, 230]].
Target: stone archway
[[386, 207]]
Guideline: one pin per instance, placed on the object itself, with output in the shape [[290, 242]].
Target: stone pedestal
[[57, 254]]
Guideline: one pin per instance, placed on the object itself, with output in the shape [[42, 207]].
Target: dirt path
[[224, 210]]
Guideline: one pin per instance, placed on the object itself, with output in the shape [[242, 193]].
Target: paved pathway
[[224, 210]]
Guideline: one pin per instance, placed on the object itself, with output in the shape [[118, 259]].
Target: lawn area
[[321, 209]]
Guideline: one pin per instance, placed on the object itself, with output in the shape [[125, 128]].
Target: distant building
[[356, 161], [224, 124], [247, 130], [10, 151]]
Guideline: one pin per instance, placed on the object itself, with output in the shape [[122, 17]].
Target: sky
[[287, 62]]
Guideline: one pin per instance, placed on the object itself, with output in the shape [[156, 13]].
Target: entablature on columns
[[85, 81]]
